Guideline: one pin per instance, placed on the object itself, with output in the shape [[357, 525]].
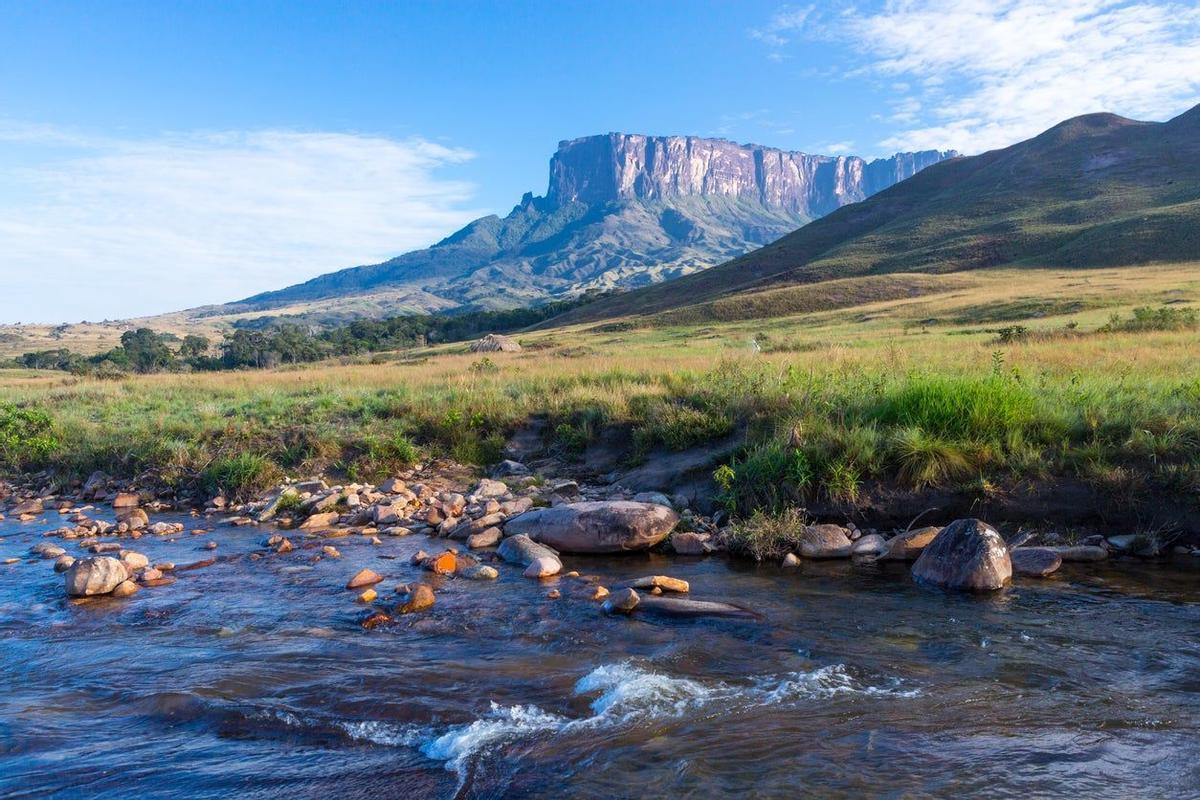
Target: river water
[[253, 679]]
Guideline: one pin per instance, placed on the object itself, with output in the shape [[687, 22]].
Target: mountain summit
[[621, 211]]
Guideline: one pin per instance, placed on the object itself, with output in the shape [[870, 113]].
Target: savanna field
[[991, 382]]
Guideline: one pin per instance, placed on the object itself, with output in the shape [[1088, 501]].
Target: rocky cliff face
[[620, 166], [622, 211]]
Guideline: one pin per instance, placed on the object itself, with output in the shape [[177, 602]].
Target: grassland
[[909, 393]]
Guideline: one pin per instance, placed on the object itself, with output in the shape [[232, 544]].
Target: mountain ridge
[[620, 211], [1094, 190]]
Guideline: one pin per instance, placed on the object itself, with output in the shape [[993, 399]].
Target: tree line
[[145, 350]]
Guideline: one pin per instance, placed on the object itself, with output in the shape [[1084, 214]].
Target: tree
[[193, 347], [146, 350]]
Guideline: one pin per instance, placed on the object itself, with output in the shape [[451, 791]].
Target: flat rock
[[664, 582], [825, 541], [687, 607], [968, 554], [909, 545], [870, 545], [1080, 552], [320, 521], [524, 551], [622, 601], [690, 543], [601, 526], [489, 537], [1037, 562]]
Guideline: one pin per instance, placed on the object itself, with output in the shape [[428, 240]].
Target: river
[[253, 679]]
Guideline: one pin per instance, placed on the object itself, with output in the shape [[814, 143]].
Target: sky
[[159, 155]]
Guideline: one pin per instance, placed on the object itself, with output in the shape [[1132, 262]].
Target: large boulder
[[968, 554], [92, 576], [525, 552], [604, 526], [825, 541]]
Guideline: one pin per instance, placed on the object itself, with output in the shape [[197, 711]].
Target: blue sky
[[159, 155]]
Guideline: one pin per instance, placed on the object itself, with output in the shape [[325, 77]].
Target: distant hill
[[1094, 191], [621, 211]]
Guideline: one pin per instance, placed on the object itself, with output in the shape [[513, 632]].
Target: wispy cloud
[[981, 74], [94, 227]]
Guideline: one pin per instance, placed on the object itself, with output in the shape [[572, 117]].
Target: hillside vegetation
[[1094, 191], [883, 407]]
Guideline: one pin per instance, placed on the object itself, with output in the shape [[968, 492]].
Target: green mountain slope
[[1094, 191]]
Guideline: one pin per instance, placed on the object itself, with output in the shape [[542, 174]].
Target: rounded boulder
[[602, 526]]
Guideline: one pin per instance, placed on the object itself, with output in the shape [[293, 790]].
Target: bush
[[925, 460], [26, 436], [1166, 318], [239, 475], [767, 536]]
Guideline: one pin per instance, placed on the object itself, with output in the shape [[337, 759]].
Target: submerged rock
[[92, 576], [825, 541], [418, 598], [1037, 562], [601, 526], [968, 554], [791, 560], [687, 607], [1080, 552]]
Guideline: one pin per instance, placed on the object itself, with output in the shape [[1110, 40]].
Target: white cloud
[[989, 73], [106, 228], [836, 148]]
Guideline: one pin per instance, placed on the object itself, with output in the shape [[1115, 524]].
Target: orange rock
[[375, 619], [443, 564]]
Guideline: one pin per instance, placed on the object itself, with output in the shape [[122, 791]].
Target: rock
[[622, 601], [1037, 562], [126, 500], [790, 560], [1080, 552], [52, 552], [660, 582], [95, 487], [496, 343], [909, 545], [486, 538], [134, 561], [418, 598], [490, 488], [524, 551], [363, 578], [479, 572], [870, 545], [442, 564], [63, 563], [605, 526], [599, 592], [368, 596], [1135, 543], [519, 505], [28, 508], [689, 543], [825, 541], [320, 521], [271, 508], [393, 486], [543, 567], [92, 576], [375, 619], [125, 589], [657, 498], [150, 574], [968, 554], [508, 468], [687, 607], [331, 551], [390, 513], [134, 518]]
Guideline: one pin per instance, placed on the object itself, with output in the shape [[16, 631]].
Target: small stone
[[790, 560], [543, 567], [363, 578], [331, 551], [599, 593], [375, 619], [134, 561], [63, 563], [368, 596], [479, 572], [125, 589], [489, 537], [150, 575], [420, 597], [213, 546], [553, 594], [622, 601]]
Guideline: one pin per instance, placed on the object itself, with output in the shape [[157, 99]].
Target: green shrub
[[1166, 318], [240, 475], [26, 436], [924, 460], [767, 536], [958, 407]]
